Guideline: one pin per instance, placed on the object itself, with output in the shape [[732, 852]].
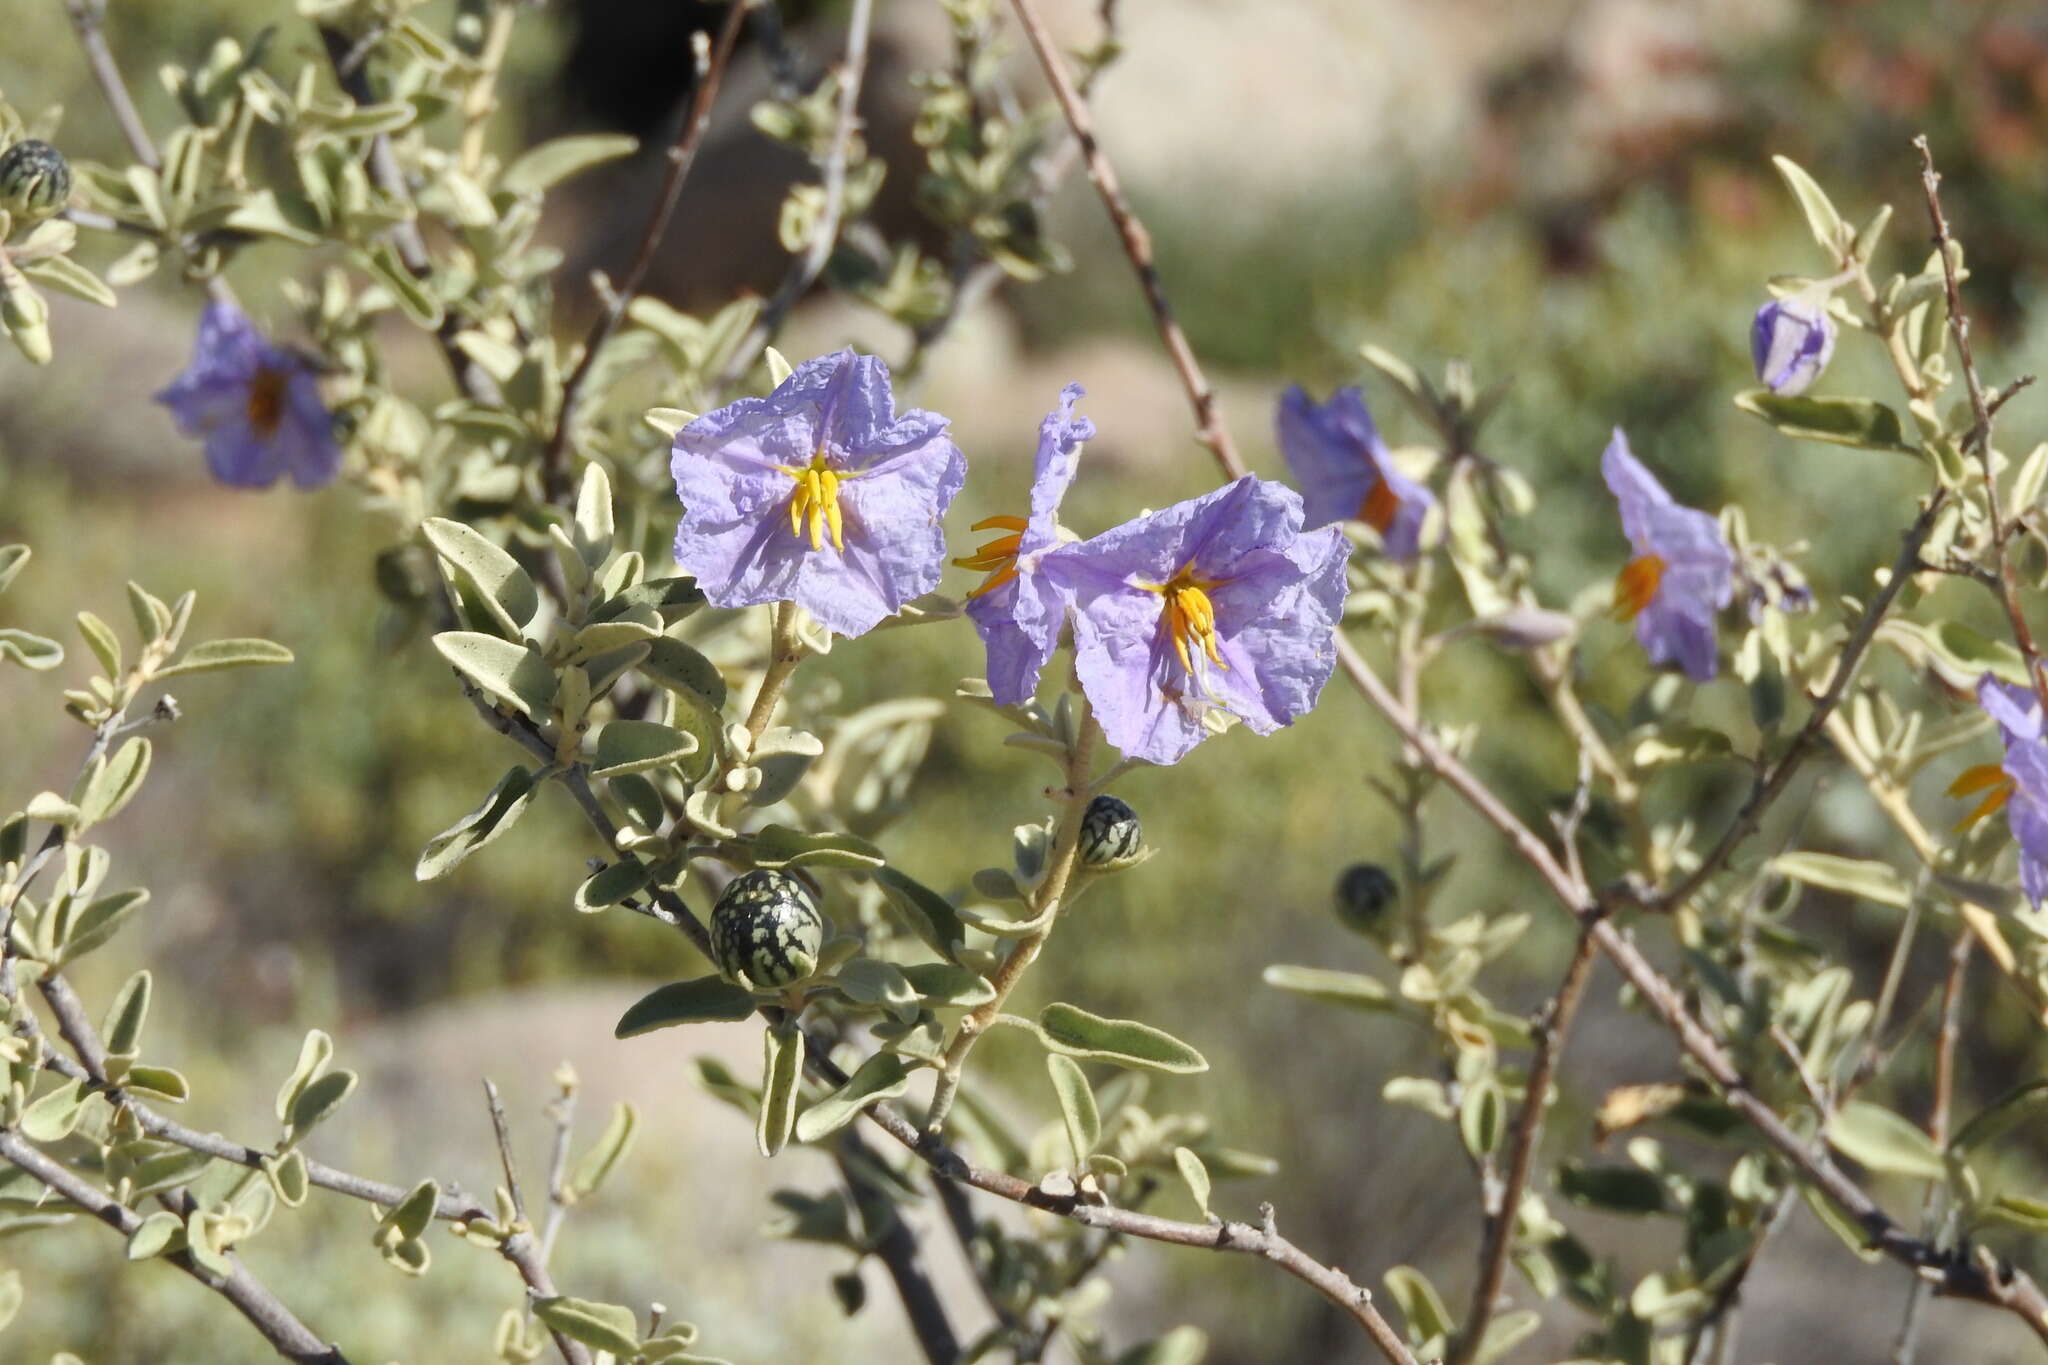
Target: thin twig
[[804, 271], [1770, 784], [563, 1112], [1498, 1241], [1137, 242], [502, 1132], [1979, 437], [287, 1335], [681, 155], [389, 178]]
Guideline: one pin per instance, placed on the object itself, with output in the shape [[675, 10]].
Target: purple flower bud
[[1791, 342]]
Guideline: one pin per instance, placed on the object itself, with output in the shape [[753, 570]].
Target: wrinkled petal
[[1676, 626], [1060, 438], [1275, 595], [2017, 709], [736, 471], [212, 400], [1337, 456]]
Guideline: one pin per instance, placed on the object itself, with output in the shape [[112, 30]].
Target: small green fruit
[[766, 931]]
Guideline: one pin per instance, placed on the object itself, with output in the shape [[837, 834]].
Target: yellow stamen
[[1985, 777], [1189, 615], [1636, 586], [1380, 507], [998, 558], [814, 503], [266, 401]]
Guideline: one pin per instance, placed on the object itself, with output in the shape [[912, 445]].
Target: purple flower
[[1217, 604], [1345, 470], [256, 405], [818, 494], [1683, 572], [2019, 786], [1791, 342], [1018, 609]]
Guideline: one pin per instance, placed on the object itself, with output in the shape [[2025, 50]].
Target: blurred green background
[[1575, 196]]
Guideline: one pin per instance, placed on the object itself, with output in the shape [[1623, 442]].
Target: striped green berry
[[766, 930]]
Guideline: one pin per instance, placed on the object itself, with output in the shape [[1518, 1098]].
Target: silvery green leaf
[[1881, 1140], [499, 359], [593, 522], [1421, 1306], [1418, 1092], [409, 1257], [63, 273], [52, 809], [782, 1063], [671, 598], [1349, 989], [495, 577], [100, 638], [160, 1232], [99, 921], [1075, 1032], [320, 1098], [667, 421], [612, 884], [414, 1214], [678, 667], [944, 984], [287, 1177], [1826, 224], [514, 674], [883, 1076], [289, 218], [779, 367], [871, 981], [1181, 1346], [113, 784], [13, 558], [51, 1116], [414, 299], [633, 746], [1954, 652], [135, 265], [704, 999], [1878, 882], [551, 162], [1860, 422], [1872, 233], [641, 798], [30, 651], [315, 1052], [158, 1082], [1482, 1115], [930, 916], [219, 654], [596, 1164], [1195, 1175], [779, 846], [122, 1029], [506, 802], [1077, 1104]]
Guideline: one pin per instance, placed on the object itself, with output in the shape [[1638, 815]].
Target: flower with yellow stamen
[[862, 489], [1989, 778], [998, 558], [1682, 572], [2019, 785], [1346, 472]]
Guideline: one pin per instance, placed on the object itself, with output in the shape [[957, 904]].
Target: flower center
[[1636, 586], [1989, 778], [1380, 507], [998, 558], [815, 501], [1189, 617], [266, 401]]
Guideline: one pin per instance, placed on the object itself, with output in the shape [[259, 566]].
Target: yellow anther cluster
[[998, 558], [815, 502]]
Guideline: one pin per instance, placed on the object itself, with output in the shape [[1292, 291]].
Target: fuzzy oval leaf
[[287, 1176], [782, 1063], [1352, 990], [100, 921], [315, 1052], [1077, 1033], [943, 983], [500, 809], [701, 1000], [557, 159], [320, 1098], [1822, 219], [115, 785], [51, 1117], [1077, 1104], [218, 654], [1869, 880], [606, 1152], [607, 1326], [159, 1082], [930, 916], [33, 652], [635, 746], [122, 1031], [2002, 1116], [780, 846], [1195, 1175], [12, 560], [612, 884], [1877, 1138], [680, 668], [1860, 422], [1421, 1305], [153, 1235], [512, 673], [494, 576], [883, 1076]]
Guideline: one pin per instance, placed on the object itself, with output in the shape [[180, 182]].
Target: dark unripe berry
[[1365, 893], [1110, 833], [35, 180], [766, 930]]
